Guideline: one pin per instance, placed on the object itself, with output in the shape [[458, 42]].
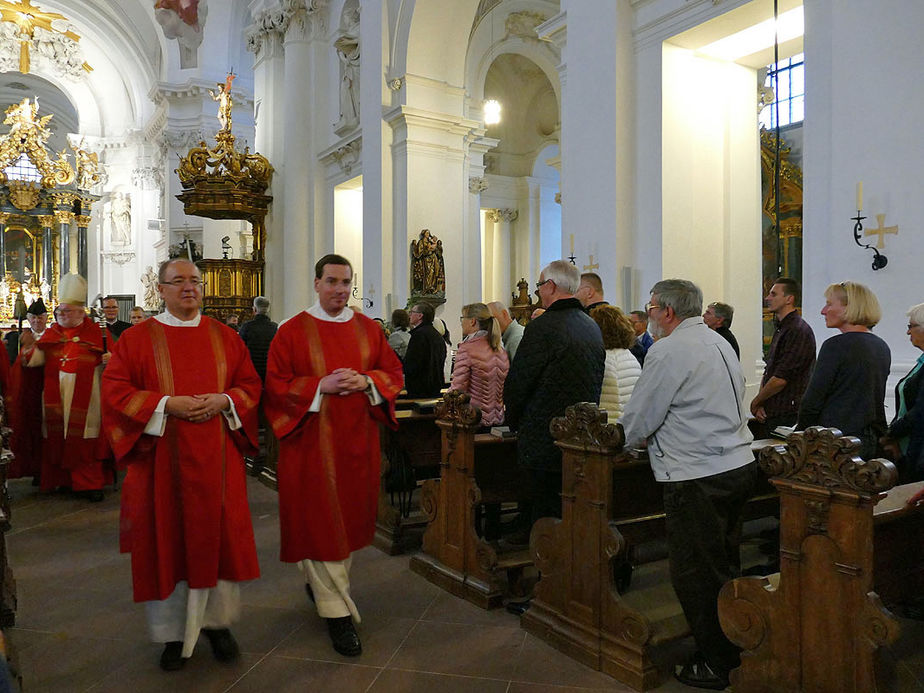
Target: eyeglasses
[[649, 306], [544, 281], [183, 282]]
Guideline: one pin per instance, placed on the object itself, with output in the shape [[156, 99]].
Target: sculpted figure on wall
[[120, 216], [347, 47], [149, 282], [428, 273]]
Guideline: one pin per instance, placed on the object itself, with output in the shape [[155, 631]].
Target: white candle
[[860, 195], [572, 244]]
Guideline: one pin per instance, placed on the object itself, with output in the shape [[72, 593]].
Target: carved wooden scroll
[[819, 628]]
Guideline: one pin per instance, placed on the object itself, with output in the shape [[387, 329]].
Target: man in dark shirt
[[643, 340], [258, 333], [718, 317], [111, 310], [425, 355], [789, 362], [590, 292]]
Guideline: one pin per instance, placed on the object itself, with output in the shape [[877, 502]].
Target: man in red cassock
[[24, 405], [180, 402], [72, 353], [331, 378]]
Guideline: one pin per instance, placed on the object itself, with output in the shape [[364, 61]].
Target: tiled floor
[[77, 628]]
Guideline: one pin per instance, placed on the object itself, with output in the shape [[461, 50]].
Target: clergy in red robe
[[331, 378], [72, 353], [24, 405], [180, 402]]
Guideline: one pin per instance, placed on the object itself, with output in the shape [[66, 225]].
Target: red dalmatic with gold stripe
[[329, 460], [184, 500]]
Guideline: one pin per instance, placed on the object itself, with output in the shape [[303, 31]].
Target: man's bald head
[[500, 313]]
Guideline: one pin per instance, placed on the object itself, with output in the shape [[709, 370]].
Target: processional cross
[[881, 231]]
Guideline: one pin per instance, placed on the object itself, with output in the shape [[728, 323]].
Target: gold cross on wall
[[592, 265], [881, 231]]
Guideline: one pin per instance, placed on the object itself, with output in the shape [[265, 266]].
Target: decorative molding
[[345, 155], [523, 24], [508, 215], [118, 258], [148, 177], [477, 185], [395, 83], [492, 215]]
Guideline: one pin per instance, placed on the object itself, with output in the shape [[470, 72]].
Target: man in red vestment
[[24, 405], [72, 352], [180, 402], [331, 378]]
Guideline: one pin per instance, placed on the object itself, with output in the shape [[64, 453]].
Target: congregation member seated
[[847, 387], [905, 437], [481, 363], [621, 369]]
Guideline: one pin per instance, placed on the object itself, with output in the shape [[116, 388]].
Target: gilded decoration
[[428, 273], [221, 182], [42, 193], [35, 29]]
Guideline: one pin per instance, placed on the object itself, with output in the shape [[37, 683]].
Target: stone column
[[4, 218], [65, 219], [48, 262], [503, 230], [83, 222]]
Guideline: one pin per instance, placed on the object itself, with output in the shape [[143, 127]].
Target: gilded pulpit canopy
[[428, 273]]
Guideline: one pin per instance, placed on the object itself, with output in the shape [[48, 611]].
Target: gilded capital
[[83, 221], [64, 217], [4, 217], [46, 220]]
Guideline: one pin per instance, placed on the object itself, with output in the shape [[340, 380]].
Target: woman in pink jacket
[[481, 363]]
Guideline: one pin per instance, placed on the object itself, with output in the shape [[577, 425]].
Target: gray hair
[[680, 294], [261, 305], [916, 314], [567, 277], [724, 311]]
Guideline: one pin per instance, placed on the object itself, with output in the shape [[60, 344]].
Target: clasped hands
[[197, 408], [343, 381]]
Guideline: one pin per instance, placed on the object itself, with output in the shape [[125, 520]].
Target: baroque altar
[[45, 204]]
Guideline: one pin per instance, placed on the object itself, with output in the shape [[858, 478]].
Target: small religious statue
[[223, 97], [348, 52], [149, 282], [120, 216], [427, 270]]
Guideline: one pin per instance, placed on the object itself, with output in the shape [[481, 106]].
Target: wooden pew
[[474, 469], [576, 607], [816, 626], [409, 455]]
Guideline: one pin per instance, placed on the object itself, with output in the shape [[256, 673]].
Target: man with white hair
[[559, 363], [512, 331], [689, 407]]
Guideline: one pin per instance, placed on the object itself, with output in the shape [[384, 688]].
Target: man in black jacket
[[426, 353], [258, 333], [559, 363]]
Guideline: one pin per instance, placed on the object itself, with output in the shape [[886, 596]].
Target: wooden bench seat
[[475, 468], [817, 625]]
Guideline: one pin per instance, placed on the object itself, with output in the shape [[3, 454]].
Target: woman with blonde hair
[[621, 369], [847, 388], [481, 363]]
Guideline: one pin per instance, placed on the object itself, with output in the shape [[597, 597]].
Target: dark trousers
[[703, 519], [543, 493], [762, 430]]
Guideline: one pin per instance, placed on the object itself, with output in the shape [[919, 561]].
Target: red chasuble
[[329, 461], [184, 500], [24, 407], [68, 458]]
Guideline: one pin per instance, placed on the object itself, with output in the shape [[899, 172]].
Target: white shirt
[[689, 404]]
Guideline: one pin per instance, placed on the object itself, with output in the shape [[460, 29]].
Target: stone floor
[[77, 628]]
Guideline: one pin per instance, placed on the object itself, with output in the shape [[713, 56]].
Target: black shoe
[[344, 636], [94, 496], [224, 646], [172, 657], [309, 592], [517, 608], [698, 674]]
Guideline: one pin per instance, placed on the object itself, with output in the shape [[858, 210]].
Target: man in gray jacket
[[689, 406]]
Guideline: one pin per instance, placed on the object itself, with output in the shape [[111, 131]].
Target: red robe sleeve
[[387, 374], [288, 396]]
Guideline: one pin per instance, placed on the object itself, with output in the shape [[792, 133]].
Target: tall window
[[790, 92]]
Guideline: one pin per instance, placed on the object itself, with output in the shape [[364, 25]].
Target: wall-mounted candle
[[356, 279], [572, 244], [860, 195]]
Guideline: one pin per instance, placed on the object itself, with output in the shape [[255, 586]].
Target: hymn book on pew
[[503, 432]]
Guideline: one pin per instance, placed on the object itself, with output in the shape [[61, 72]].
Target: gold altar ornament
[[28, 18]]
